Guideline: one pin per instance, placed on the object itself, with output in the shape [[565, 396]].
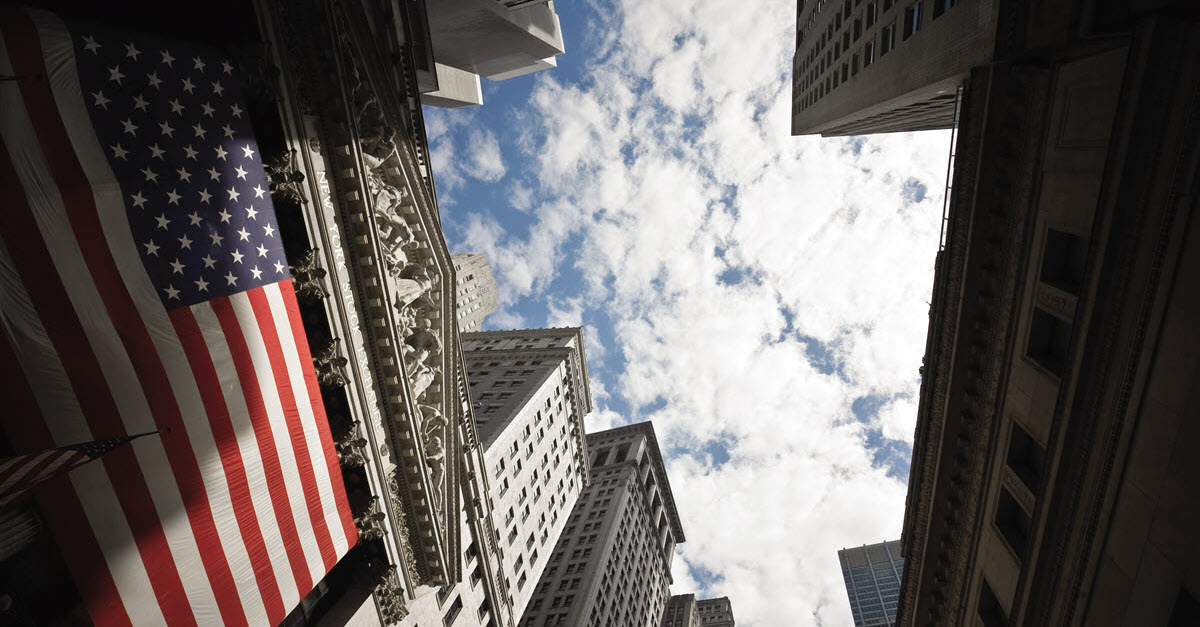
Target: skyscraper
[[882, 66], [872, 574], [612, 564], [681, 611], [716, 612], [475, 290]]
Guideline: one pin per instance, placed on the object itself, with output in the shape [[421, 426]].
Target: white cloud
[[487, 164], [668, 182]]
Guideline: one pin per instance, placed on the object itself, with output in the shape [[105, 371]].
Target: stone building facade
[[1054, 480], [881, 66], [612, 563], [872, 574], [681, 611], [716, 612], [475, 290]]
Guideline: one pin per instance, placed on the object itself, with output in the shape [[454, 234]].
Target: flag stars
[[221, 152], [100, 100], [184, 175], [233, 193], [189, 152], [130, 127], [262, 250], [89, 44], [216, 238], [244, 234], [177, 267], [208, 111], [251, 212], [151, 248], [119, 152], [195, 218], [209, 262], [115, 75], [167, 59], [241, 173], [228, 130], [199, 130], [188, 86], [237, 256], [230, 278], [225, 216], [226, 68], [167, 129], [257, 273], [131, 52], [249, 153], [172, 293], [185, 242], [176, 107], [198, 64], [140, 103], [162, 221], [236, 111], [218, 89], [201, 284], [173, 198], [138, 200], [151, 175], [205, 197], [279, 267], [153, 80], [270, 230], [156, 152], [213, 175], [259, 191]]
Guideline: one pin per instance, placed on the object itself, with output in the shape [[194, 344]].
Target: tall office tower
[[881, 66], [612, 564], [532, 384], [681, 611], [1054, 477], [474, 290], [872, 574], [716, 612]]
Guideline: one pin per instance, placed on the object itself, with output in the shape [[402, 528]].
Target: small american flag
[[21, 474], [143, 287]]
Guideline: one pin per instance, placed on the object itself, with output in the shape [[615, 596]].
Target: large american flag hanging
[[144, 288]]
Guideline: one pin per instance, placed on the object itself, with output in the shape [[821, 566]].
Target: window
[[857, 28], [1063, 257], [912, 20], [887, 4], [1013, 522], [1049, 340], [887, 38], [990, 611], [868, 53], [941, 6], [854, 65], [872, 13], [1026, 458], [452, 613]]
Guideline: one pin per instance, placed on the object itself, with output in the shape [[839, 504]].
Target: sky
[[762, 298]]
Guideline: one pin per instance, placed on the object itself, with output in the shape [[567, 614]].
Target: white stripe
[[279, 429], [18, 474], [106, 344], [125, 254], [55, 397], [10, 463], [52, 467], [304, 403], [235, 401]]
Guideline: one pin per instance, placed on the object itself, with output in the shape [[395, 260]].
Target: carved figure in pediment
[[397, 240], [412, 282], [423, 356]]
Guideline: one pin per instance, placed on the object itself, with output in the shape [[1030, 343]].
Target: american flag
[[144, 288], [21, 474]]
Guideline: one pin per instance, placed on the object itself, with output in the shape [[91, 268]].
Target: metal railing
[[950, 171]]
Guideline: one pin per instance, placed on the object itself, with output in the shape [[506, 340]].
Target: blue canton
[[173, 124]]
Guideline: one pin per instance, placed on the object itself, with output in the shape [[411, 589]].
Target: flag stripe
[[33, 263], [77, 541], [314, 392], [218, 416], [277, 311], [277, 485], [244, 423], [28, 467], [295, 428]]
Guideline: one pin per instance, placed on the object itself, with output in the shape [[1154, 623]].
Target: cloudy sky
[[762, 298]]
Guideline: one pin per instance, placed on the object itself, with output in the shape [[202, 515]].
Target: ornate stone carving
[[352, 446], [398, 519], [389, 596], [285, 179], [330, 365], [309, 277], [370, 522], [433, 426]]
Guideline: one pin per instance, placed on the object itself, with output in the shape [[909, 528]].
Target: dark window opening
[[1013, 523], [1063, 259], [452, 613], [1186, 611], [941, 6], [1026, 457], [912, 20], [990, 611], [1049, 340]]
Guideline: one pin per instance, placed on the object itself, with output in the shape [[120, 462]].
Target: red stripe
[[231, 456], [31, 475], [266, 442], [72, 182], [54, 308], [318, 405], [266, 325], [26, 429]]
